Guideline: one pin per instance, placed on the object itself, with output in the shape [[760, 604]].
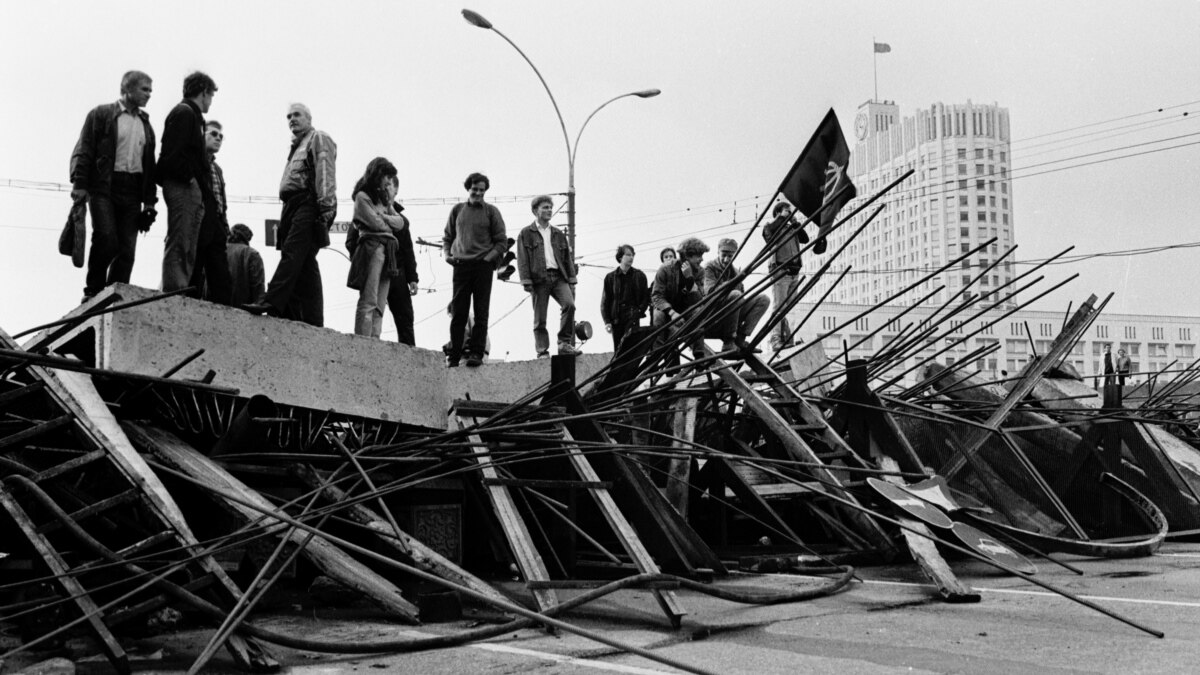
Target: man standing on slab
[[112, 168], [474, 239], [186, 179], [309, 193], [547, 269]]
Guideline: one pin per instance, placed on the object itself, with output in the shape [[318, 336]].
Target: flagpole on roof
[[875, 67]]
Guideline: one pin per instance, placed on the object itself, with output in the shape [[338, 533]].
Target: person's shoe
[[543, 355], [474, 361], [565, 349], [745, 346], [451, 363], [86, 298], [260, 308]]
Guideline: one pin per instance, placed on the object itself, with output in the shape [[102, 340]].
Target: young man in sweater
[[473, 240]]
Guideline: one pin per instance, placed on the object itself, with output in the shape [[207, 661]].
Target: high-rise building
[[957, 197]]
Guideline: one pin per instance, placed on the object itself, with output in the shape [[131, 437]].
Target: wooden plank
[[330, 560], [925, 553], [74, 590], [35, 431], [625, 533], [679, 470], [402, 543], [515, 531]]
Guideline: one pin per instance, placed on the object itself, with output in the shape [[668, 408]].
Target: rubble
[[145, 447]]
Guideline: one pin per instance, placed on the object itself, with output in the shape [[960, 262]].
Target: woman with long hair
[[373, 245]]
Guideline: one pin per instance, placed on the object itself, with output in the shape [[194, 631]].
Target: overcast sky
[[744, 84]]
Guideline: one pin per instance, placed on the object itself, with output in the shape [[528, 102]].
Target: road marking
[[1178, 555], [560, 658], [1015, 591]]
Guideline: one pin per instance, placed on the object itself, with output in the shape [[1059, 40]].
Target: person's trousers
[[557, 287], [472, 287], [114, 233], [621, 328], [399, 301], [784, 286], [373, 297], [210, 275], [185, 215], [295, 290], [740, 322]]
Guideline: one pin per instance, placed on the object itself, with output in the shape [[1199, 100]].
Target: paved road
[[887, 623]]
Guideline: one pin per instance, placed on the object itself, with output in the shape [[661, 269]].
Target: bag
[[73, 239]]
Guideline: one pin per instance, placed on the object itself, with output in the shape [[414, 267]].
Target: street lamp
[[476, 19]]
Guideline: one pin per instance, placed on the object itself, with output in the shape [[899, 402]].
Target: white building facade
[[957, 203]]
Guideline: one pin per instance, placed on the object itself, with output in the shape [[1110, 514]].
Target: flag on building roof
[[818, 178], [882, 48]]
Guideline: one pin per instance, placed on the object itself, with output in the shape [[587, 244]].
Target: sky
[[743, 87]]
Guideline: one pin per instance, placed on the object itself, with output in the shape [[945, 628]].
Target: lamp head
[[476, 19], [645, 93]]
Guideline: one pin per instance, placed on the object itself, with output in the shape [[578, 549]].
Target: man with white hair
[[309, 193]]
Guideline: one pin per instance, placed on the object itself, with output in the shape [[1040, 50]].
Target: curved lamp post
[[476, 19]]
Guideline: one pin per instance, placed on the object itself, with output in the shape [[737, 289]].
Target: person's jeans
[[784, 286], [185, 214], [114, 233], [740, 322], [372, 299], [295, 290], [472, 287], [557, 287]]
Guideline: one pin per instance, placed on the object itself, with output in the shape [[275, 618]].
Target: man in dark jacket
[[547, 268], [211, 271], [112, 168], [676, 288], [404, 285], [625, 297], [785, 233], [247, 278], [474, 239], [185, 176]]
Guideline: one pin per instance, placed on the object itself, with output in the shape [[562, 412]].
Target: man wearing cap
[[309, 193], [737, 325], [112, 168], [787, 236], [546, 269], [245, 268]]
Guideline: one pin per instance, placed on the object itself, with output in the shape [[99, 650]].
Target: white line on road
[[560, 658], [1015, 591]]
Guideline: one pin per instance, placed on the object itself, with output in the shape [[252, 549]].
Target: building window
[[1016, 346], [1132, 348], [979, 153], [979, 184], [1004, 188], [964, 231], [962, 185], [962, 200], [1158, 349], [1014, 328], [962, 153], [828, 322], [985, 328], [978, 169], [1156, 333], [1184, 351], [1003, 156], [1185, 333], [981, 216], [981, 201], [1102, 331], [1130, 332]]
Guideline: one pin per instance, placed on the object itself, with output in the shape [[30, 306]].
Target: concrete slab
[[295, 363]]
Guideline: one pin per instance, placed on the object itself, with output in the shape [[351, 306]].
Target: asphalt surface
[[888, 622]]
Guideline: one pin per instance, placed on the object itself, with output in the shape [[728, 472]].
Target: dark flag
[[819, 177]]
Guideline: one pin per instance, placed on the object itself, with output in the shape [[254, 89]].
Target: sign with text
[[272, 227]]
